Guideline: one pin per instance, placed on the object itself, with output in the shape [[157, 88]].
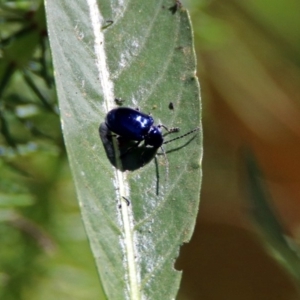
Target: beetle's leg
[[130, 149], [167, 162], [171, 130], [110, 136]]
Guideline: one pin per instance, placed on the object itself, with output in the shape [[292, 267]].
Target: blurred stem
[[18, 34], [45, 69], [6, 77], [4, 125], [5, 131], [283, 249], [34, 130], [35, 89], [34, 231]]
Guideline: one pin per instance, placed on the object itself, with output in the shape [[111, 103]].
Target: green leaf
[[147, 58]]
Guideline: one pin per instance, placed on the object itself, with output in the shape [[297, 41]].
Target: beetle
[[132, 124]]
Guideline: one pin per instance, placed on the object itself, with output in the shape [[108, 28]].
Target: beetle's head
[[154, 137]]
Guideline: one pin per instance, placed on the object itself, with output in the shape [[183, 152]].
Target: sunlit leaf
[[142, 52]]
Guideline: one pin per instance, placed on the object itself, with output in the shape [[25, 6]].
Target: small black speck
[[173, 9], [108, 23], [127, 201], [119, 101]]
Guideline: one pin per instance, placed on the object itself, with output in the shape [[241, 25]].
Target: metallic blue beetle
[[134, 125], [131, 124]]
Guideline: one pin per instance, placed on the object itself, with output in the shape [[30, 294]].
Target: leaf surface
[[146, 57]]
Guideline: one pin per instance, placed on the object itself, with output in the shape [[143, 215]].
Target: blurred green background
[[248, 65]]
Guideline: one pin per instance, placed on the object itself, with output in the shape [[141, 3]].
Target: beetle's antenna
[[179, 137]]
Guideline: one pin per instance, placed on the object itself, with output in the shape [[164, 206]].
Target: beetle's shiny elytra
[[134, 125]]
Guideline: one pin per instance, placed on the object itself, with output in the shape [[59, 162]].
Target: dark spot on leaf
[[173, 9]]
